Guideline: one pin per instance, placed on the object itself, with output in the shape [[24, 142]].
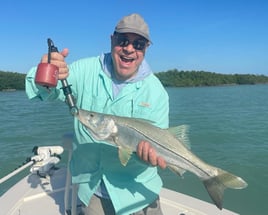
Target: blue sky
[[222, 36]]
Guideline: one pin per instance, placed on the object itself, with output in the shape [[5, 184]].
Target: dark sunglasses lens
[[123, 41], [139, 44]]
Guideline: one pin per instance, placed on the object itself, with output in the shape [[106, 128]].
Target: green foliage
[[11, 81], [175, 78], [170, 78]]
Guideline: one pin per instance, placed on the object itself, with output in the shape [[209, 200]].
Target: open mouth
[[126, 59]]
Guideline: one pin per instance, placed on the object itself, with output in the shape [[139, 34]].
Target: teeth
[[127, 59]]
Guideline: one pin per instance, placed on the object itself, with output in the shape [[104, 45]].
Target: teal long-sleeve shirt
[[136, 185]]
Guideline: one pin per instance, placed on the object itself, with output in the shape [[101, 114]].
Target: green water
[[228, 129]]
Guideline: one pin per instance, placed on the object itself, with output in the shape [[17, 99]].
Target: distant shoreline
[[10, 82], [9, 90]]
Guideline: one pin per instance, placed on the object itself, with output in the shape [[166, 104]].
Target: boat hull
[[33, 195]]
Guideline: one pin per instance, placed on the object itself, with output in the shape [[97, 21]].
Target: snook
[[126, 133]]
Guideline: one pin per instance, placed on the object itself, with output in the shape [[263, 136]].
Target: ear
[[146, 47]]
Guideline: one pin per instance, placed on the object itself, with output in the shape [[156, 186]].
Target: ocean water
[[228, 129]]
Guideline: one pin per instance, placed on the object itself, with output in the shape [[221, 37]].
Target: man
[[119, 83]]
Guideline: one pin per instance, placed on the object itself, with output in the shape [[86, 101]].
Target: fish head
[[100, 126]]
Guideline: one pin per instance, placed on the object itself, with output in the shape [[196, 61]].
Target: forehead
[[131, 36]]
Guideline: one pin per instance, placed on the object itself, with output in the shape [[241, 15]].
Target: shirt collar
[[107, 65], [117, 85]]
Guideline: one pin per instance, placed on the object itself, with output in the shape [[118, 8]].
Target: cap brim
[[134, 31]]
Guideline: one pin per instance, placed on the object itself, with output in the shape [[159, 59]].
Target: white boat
[[47, 190]]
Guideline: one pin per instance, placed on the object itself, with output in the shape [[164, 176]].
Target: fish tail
[[217, 184]]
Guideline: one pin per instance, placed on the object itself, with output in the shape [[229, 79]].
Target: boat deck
[[41, 196]]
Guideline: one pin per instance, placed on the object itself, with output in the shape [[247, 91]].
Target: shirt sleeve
[[34, 90]]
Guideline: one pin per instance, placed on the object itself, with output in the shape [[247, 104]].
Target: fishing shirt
[[131, 187]]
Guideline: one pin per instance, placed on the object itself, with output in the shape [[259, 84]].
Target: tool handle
[[65, 86]]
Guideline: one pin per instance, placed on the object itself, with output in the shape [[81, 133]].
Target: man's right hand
[[58, 59]]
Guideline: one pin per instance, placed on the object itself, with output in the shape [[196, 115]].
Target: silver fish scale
[[166, 145]]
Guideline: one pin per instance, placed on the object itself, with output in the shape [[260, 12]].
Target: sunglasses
[[123, 41]]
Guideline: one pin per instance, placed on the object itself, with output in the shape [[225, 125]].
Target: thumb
[[65, 52]]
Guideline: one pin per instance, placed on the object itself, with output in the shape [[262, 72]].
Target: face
[[128, 51]]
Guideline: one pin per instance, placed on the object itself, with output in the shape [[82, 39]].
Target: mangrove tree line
[[170, 78], [175, 78]]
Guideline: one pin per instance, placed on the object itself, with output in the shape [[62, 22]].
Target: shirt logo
[[145, 104]]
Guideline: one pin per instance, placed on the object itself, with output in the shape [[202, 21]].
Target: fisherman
[[120, 83]]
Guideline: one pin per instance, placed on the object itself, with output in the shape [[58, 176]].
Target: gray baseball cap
[[133, 23]]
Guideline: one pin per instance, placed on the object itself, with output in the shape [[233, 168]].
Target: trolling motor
[[47, 76], [45, 159]]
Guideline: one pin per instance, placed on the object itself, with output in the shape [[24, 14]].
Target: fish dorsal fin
[[181, 133], [144, 120]]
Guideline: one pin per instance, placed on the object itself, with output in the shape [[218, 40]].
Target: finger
[[44, 59], [152, 157], [139, 149], [55, 58], [59, 64], [65, 52], [145, 151], [63, 70], [161, 162], [63, 74]]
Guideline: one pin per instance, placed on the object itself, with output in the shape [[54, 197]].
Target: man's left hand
[[148, 154]]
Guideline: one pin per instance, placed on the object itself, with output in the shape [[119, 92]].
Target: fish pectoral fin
[[124, 155], [181, 133], [177, 170]]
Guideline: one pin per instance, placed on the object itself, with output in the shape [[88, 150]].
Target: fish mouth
[[99, 127]]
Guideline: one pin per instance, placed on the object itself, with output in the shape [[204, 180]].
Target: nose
[[129, 48]]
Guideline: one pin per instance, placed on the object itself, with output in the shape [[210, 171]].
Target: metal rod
[[65, 86], [16, 171]]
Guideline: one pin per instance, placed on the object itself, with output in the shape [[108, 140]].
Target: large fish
[[127, 132]]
